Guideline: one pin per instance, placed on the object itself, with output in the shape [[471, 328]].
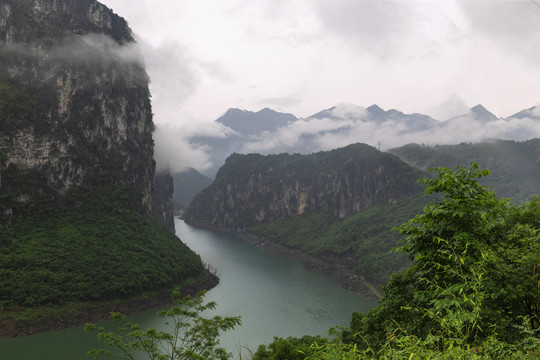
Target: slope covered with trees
[[471, 292], [515, 166]]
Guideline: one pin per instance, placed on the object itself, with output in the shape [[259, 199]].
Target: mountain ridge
[[344, 124], [250, 189]]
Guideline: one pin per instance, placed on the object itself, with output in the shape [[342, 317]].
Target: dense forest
[[93, 246]]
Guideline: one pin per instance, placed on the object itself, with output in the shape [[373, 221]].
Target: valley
[[414, 236]]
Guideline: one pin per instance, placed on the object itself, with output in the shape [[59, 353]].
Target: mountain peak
[[480, 113], [266, 111], [532, 113], [375, 109], [478, 108], [249, 122], [376, 113]]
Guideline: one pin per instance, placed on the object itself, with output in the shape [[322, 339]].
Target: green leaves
[[190, 335], [90, 253], [473, 280]]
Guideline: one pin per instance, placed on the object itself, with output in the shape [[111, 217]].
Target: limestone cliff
[[75, 104], [252, 189], [77, 184], [162, 200]]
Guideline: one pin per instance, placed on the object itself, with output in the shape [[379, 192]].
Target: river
[[274, 295]]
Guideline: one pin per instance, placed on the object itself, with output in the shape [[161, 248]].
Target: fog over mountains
[[270, 132]]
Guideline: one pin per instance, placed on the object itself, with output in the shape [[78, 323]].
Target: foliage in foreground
[[190, 335], [472, 291]]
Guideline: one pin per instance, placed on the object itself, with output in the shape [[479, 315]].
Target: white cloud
[[300, 56], [348, 124], [174, 152], [512, 25], [451, 107], [378, 27]]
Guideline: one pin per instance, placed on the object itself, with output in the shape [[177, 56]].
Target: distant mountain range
[[271, 132]]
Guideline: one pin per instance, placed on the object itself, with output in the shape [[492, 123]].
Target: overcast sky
[[301, 56]]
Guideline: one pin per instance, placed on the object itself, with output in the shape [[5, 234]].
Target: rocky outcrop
[[75, 103], [252, 189], [162, 199]]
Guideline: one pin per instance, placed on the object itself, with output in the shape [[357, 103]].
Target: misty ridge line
[[333, 128], [90, 48], [340, 126], [347, 124], [92, 51]]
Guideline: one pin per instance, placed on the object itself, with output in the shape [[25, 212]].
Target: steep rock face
[[252, 189], [162, 199], [74, 98]]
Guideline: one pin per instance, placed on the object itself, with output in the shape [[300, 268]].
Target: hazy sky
[[301, 56]]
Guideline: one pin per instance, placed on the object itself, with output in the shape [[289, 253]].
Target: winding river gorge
[[274, 295]]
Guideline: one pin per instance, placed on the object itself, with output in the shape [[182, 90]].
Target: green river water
[[274, 295]]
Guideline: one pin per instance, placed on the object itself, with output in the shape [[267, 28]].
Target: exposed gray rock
[[80, 107]]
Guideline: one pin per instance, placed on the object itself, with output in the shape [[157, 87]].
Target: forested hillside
[[187, 184], [334, 206], [515, 166], [253, 189]]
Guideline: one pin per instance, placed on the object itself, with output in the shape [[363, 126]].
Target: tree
[[190, 335], [474, 275], [291, 348]]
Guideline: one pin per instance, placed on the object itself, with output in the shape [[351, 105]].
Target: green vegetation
[[93, 245], [366, 236], [18, 184], [515, 166], [23, 106], [291, 348], [253, 189], [471, 292], [191, 335], [187, 184]]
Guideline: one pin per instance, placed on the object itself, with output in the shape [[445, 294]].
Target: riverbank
[[340, 268], [27, 321]]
